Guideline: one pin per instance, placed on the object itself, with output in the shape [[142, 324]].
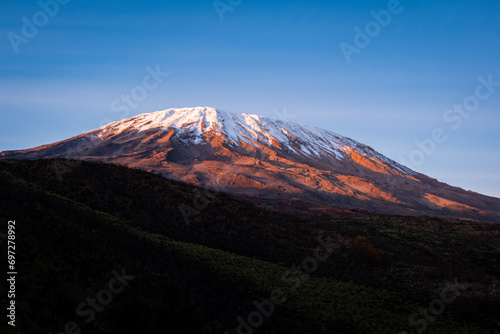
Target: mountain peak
[[273, 159], [184, 118], [197, 124]]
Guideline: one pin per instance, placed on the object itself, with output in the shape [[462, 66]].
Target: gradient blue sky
[[265, 57]]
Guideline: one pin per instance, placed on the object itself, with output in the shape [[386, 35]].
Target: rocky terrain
[[271, 161]]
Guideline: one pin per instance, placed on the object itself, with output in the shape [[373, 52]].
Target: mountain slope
[[70, 249], [71, 252], [269, 160]]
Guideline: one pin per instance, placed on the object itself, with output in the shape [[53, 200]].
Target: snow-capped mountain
[[195, 125], [267, 159]]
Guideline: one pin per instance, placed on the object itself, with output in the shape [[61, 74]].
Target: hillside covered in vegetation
[[196, 261]]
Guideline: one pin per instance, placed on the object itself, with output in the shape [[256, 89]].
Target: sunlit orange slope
[[268, 160]]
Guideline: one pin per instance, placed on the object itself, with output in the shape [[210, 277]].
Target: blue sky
[[274, 58]]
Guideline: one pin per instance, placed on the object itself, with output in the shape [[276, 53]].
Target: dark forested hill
[[195, 261]]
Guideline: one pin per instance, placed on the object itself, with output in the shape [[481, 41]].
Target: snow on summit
[[266, 158], [249, 129]]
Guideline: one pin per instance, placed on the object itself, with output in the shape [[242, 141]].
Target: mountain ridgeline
[[80, 224], [269, 161]]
